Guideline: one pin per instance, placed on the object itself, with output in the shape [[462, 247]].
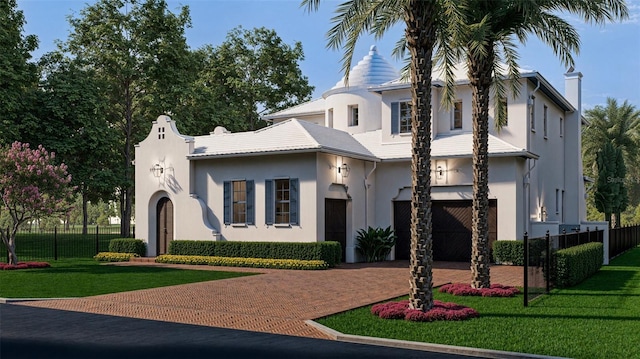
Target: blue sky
[[609, 57]]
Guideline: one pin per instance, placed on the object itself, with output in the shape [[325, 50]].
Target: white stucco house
[[328, 167]]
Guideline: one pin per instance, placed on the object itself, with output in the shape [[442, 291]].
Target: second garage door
[[451, 229]]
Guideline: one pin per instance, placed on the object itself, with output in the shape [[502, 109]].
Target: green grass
[[599, 318], [85, 277]]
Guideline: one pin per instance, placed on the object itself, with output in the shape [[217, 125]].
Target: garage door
[[451, 229]]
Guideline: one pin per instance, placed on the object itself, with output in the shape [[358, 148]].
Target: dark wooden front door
[[335, 222], [402, 227], [451, 229], [164, 221]]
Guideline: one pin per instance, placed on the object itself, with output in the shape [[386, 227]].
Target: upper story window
[[532, 113], [400, 117], [505, 111], [561, 127], [330, 118], [456, 122], [353, 115], [544, 121], [239, 199], [281, 201]]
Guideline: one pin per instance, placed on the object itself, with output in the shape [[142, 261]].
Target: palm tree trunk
[[420, 33], [480, 72]]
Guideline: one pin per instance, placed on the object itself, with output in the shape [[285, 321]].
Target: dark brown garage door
[[451, 229]]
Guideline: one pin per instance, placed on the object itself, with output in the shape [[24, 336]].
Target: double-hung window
[[281, 201], [400, 117], [456, 121], [353, 115], [239, 199]]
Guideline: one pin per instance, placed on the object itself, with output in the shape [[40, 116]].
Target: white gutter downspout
[[526, 179], [366, 194]]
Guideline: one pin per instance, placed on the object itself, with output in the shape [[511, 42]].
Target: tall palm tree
[[487, 34], [618, 125], [426, 31]]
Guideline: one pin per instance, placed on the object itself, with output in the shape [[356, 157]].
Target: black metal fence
[[62, 243], [538, 264], [622, 239]]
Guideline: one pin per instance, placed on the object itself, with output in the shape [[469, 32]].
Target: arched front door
[[164, 220]]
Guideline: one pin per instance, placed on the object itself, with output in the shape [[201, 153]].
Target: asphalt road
[[27, 332]]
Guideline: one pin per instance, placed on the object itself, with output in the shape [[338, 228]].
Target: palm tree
[[487, 34], [426, 31], [619, 126]]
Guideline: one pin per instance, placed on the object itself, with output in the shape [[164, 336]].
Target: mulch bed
[[23, 265]]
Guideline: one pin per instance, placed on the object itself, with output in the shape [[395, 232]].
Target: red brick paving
[[277, 301]]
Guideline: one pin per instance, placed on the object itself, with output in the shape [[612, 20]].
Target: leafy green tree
[[486, 33], [139, 52], [620, 126], [73, 102], [252, 72], [426, 31], [31, 187], [610, 196], [18, 76]]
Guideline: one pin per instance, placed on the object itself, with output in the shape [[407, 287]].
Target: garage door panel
[[451, 229]]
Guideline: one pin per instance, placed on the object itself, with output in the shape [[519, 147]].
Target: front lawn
[[86, 277], [599, 318]]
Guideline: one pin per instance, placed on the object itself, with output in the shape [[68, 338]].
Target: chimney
[[576, 210], [573, 89]]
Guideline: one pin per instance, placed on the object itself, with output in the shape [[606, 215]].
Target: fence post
[[55, 243], [526, 266], [547, 273], [97, 240]]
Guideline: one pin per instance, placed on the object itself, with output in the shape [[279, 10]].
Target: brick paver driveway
[[277, 301]]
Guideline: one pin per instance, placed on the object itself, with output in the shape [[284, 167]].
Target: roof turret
[[373, 69]]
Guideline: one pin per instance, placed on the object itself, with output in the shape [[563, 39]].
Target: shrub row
[[128, 245], [508, 252], [114, 257], [575, 264], [243, 262], [329, 252]]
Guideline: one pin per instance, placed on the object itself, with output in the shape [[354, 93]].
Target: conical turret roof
[[373, 69]]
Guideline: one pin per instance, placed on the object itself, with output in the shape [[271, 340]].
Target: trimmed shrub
[[575, 264], [375, 243], [508, 252], [463, 289], [439, 311], [329, 252], [23, 265], [243, 262], [128, 245], [114, 257]]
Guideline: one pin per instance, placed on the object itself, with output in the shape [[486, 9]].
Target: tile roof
[[373, 69], [443, 146], [291, 136], [316, 106]]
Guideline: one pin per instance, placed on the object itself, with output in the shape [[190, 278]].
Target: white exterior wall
[[368, 109], [210, 175], [174, 183]]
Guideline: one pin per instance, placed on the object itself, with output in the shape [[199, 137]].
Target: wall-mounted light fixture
[[157, 170], [439, 172], [344, 170]]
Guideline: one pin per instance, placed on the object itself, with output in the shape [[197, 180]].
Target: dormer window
[[456, 121], [353, 115], [400, 117]]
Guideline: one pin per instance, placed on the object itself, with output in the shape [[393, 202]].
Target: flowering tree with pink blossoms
[[31, 186]]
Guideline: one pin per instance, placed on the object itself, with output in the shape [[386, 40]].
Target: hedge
[[575, 264], [128, 245], [508, 252], [329, 252], [243, 262], [114, 257]]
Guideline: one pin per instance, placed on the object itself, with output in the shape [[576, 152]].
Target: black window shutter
[[227, 202], [395, 117]]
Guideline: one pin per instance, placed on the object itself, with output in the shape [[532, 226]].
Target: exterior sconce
[[439, 172], [157, 170], [344, 170]]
